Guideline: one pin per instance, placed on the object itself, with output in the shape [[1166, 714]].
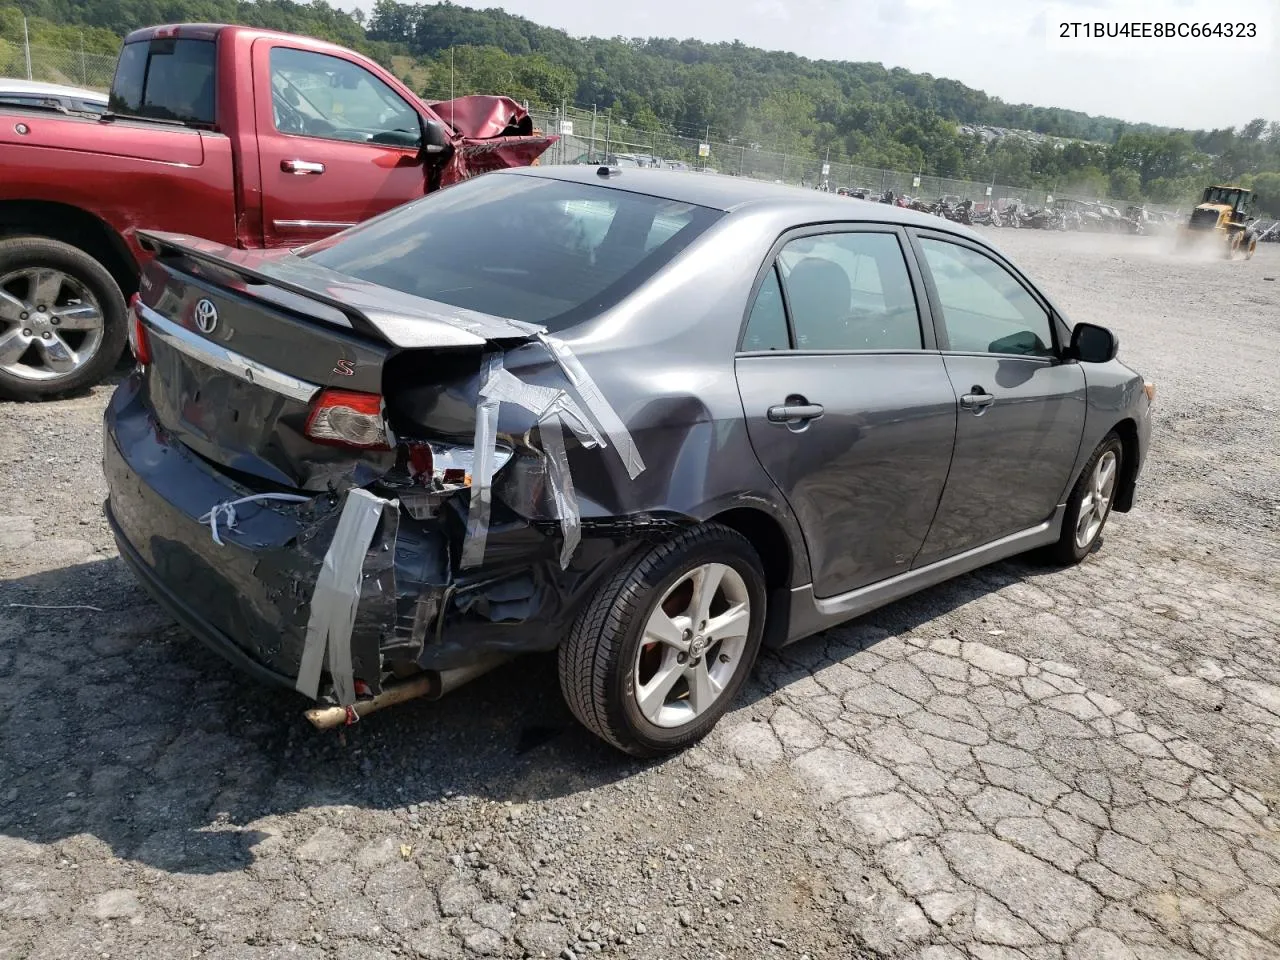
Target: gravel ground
[[1059, 765]]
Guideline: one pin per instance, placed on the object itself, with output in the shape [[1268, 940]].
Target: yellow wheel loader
[[1223, 217]]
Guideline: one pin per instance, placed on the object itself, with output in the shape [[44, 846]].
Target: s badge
[[345, 368]]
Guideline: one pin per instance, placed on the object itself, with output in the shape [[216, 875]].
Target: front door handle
[[301, 167], [977, 400], [793, 412]]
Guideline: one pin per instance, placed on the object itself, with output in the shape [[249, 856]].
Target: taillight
[[139, 344], [346, 418]]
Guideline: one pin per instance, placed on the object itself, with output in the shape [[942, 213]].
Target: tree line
[[861, 113]]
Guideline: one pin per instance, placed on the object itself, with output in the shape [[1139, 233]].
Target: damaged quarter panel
[[670, 377]]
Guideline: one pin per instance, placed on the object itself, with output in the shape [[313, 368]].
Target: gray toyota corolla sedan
[[648, 419]]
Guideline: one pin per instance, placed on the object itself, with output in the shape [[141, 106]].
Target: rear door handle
[[977, 400], [301, 167], [792, 412]]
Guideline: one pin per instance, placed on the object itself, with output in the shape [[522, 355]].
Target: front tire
[[1090, 503], [659, 653], [62, 319]]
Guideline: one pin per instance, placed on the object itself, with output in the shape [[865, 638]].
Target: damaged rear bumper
[[252, 598], [193, 621]]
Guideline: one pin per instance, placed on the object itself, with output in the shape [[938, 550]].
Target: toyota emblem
[[206, 316]]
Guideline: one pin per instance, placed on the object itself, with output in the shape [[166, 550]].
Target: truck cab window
[[316, 95], [168, 79]]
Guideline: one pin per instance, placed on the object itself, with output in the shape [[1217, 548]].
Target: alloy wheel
[[1096, 503], [692, 645], [51, 325]]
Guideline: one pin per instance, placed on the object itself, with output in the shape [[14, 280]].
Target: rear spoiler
[[400, 319]]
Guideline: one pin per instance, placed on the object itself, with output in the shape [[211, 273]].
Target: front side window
[[850, 291], [527, 248], [166, 79], [316, 95], [984, 309]]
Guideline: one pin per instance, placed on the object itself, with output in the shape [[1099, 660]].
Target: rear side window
[[850, 291], [526, 248], [169, 79], [767, 325]]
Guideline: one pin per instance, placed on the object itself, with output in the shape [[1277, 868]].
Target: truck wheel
[[661, 650], [62, 319]]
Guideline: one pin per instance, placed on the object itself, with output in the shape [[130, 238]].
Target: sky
[[1002, 47]]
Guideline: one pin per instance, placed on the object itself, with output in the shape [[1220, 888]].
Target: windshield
[[525, 248], [166, 79]]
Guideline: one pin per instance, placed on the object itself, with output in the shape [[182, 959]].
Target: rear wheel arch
[[769, 539], [75, 227]]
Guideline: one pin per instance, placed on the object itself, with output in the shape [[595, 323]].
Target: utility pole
[[560, 129], [26, 45], [593, 133]]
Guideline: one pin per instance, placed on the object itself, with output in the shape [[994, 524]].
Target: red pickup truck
[[243, 136]]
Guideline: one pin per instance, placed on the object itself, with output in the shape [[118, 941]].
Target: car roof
[[729, 193], [40, 88]]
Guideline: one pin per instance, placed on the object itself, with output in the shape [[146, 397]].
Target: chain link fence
[[74, 68], [597, 136]]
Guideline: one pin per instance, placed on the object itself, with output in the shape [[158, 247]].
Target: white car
[[35, 93]]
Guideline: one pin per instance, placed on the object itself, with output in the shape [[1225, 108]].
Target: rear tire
[[1090, 503], [85, 316], [637, 661]]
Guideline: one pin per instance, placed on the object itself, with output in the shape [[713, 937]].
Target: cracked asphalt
[[1022, 763]]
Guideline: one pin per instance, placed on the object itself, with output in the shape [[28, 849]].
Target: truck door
[[336, 144]]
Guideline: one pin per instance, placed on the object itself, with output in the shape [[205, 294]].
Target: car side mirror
[[435, 140], [1093, 344]]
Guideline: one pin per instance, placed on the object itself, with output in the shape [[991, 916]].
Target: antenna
[[452, 106]]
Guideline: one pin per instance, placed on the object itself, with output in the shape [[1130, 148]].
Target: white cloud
[[771, 10]]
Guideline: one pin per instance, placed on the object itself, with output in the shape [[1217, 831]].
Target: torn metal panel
[[500, 384], [596, 402], [553, 410], [336, 598]]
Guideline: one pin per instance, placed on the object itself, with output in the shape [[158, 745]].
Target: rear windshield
[[168, 79], [525, 248]]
